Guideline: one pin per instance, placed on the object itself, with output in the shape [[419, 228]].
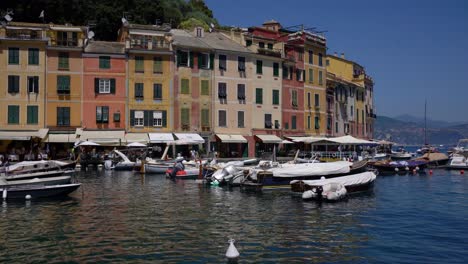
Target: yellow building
[[149, 77], [64, 79], [353, 103], [316, 120], [22, 71]]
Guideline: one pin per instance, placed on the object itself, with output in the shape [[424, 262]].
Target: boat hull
[[40, 191]]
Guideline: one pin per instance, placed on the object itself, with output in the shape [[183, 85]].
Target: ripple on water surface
[[126, 217]]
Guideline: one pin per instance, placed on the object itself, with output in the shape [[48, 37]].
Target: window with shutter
[[222, 62], [311, 75], [32, 114], [139, 64], [241, 64], [222, 93], [203, 60], [317, 122], [320, 78], [63, 61], [259, 67], [205, 117], [268, 123], [13, 114], [183, 58], [222, 118], [259, 96], [104, 62], [285, 72], [63, 84], [275, 69], [294, 98], [240, 119], [185, 86], [157, 65], [63, 116], [139, 93], [157, 118], [311, 57], [320, 60], [241, 91], [317, 100], [13, 84], [185, 118], [308, 122], [13, 55], [293, 122], [157, 91], [33, 56], [205, 88], [275, 97], [33, 84]]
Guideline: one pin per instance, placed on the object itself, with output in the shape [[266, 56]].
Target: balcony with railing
[[269, 52], [24, 34], [148, 43]]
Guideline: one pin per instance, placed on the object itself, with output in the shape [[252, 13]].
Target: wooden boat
[[37, 191], [270, 180], [333, 189], [434, 159]]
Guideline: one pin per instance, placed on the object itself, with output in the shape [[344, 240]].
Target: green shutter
[[185, 116], [178, 58], [275, 69], [259, 67], [96, 85], [132, 117], [211, 61], [205, 90], [32, 114], [147, 117], [276, 97], [199, 60], [185, 86], [157, 65], [205, 114], [13, 114], [164, 118], [112, 86], [259, 96]]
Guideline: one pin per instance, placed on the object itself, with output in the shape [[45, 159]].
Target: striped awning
[[23, 135], [161, 137]]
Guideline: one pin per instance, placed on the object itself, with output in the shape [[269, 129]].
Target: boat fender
[[406, 168], [334, 155], [181, 173], [4, 194], [396, 169], [309, 194], [232, 252]]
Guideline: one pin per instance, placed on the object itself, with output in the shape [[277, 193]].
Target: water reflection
[[133, 218]]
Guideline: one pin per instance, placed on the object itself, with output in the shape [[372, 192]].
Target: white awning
[[161, 137], [60, 138], [286, 142], [68, 29], [137, 137], [350, 140], [104, 137], [23, 135], [188, 139], [269, 138], [231, 138]]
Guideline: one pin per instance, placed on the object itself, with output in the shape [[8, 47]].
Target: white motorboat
[[457, 162], [36, 181], [333, 189], [37, 166]]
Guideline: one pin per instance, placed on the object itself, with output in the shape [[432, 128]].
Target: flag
[[42, 14]]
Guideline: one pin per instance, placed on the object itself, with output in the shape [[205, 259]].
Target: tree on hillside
[[107, 14]]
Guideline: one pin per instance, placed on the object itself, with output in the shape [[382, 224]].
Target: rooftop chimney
[[342, 55], [336, 54]]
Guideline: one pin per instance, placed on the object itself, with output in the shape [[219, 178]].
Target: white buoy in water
[[417, 168], [396, 169], [232, 252], [28, 197], [4, 195]]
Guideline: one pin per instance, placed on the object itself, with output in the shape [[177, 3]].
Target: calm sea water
[[122, 217]]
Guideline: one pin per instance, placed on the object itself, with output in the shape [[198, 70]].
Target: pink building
[[104, 86]]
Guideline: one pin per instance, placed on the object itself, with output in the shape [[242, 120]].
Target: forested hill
[[107, 14]]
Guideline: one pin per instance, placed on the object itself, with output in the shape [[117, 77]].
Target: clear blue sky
[[413, 49]]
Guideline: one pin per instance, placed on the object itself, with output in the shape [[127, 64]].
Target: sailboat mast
[[425, 122]]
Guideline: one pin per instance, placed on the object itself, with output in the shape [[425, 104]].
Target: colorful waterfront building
[[22, 71], [64, 74], [234, 96], [266, 84], [193, 89], [104, 93], [354, 101], [149, 77]]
